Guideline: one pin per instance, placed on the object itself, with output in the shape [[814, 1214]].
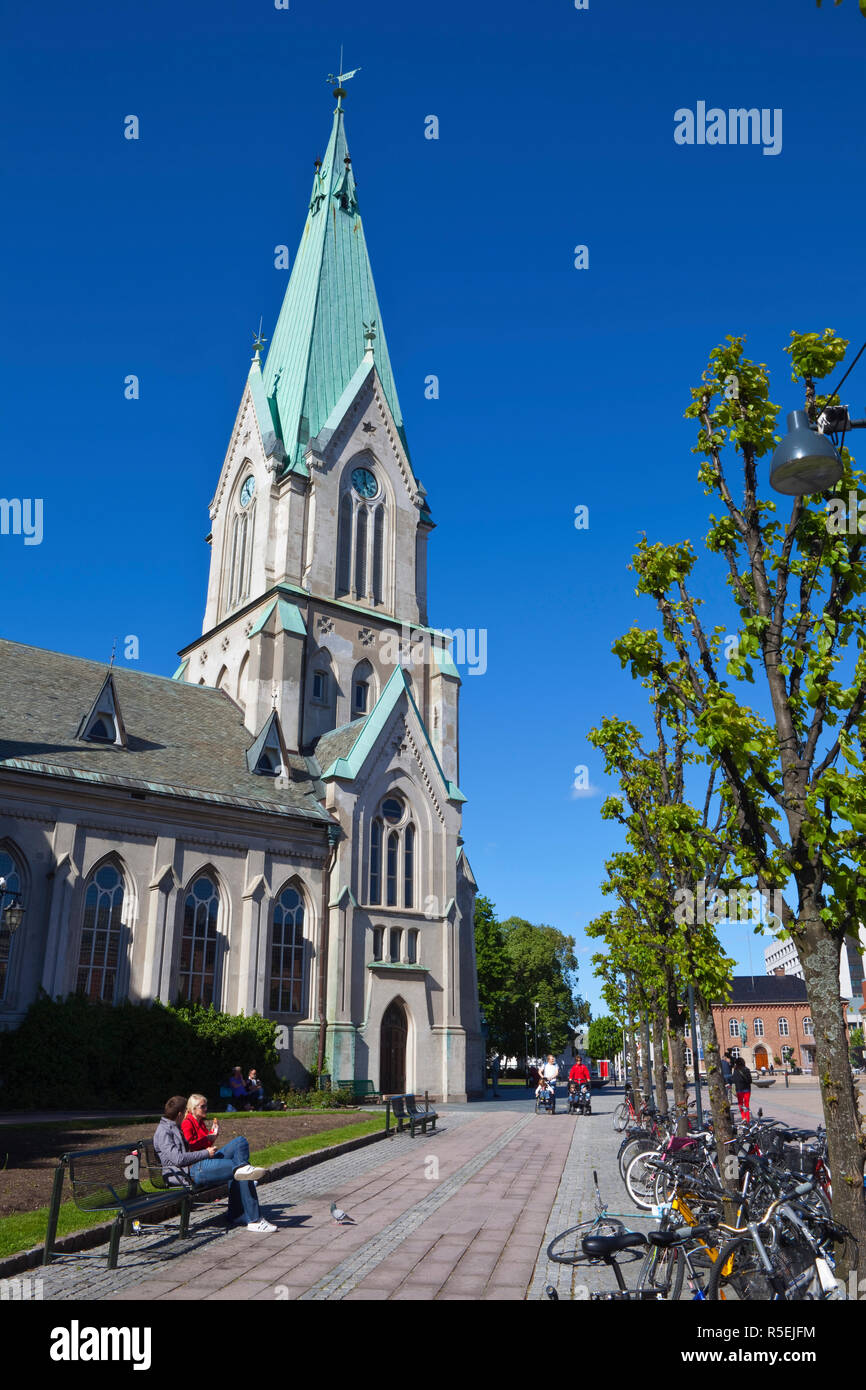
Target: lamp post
[[535, 1030], [696, 1066], [526, 1043]]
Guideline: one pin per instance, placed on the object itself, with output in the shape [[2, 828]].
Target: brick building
[[777, 1015]]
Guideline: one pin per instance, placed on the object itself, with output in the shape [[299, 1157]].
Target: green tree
[[795, 769], [604, 1038], [542, 969], [839, 2], [494, 989]]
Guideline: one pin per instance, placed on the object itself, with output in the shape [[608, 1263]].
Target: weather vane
[[339, 78], [258, 340]]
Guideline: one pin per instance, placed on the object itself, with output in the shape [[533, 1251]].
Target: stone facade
[[314, 746]]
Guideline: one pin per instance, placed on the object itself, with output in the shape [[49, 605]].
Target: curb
[[99, 1235]]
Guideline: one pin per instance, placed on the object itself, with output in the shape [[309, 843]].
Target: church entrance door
[[392, 1071]]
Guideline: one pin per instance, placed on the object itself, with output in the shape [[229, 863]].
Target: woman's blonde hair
[[193, 1101]]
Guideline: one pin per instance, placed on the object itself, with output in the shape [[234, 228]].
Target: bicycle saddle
[[602, 1246], [665, 1239]]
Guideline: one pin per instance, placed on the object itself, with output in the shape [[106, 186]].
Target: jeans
[[243, 1198]]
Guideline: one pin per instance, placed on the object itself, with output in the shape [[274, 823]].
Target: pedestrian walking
[[494, 1073], [743, 1086], [727, 1075]]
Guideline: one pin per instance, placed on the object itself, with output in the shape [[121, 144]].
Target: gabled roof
[[289, 618], [268, 752], [183, 740], [347, 766], [103, 722], [768, 989], [319, 339]]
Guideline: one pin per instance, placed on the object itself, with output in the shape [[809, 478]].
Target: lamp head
[[805, 461]]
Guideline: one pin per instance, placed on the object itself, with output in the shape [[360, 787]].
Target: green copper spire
[[319, 341]]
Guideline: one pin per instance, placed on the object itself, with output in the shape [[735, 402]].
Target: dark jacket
[[171, 1148], [742, 1079], [726, 1071]]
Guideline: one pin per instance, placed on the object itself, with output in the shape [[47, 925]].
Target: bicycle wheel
[[663, 1271], [567, 1249], [640, 1180], [738, 1274], [629, 1150], [621, 1117]]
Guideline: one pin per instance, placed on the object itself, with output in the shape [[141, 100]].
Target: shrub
[[73, 1053]]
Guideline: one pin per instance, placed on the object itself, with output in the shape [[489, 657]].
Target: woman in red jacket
[[195, 1132]]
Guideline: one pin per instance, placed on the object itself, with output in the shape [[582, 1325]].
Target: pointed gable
[[103, 722], [268, 756], [369, 731], [319, 340]]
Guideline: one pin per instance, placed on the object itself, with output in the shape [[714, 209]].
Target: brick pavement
[[463, 1213]]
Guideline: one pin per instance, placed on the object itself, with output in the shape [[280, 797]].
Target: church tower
[[318, 513], [316, 628]]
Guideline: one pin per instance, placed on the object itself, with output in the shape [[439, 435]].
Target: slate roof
[[337, 743], [768, 989], [183, 740]]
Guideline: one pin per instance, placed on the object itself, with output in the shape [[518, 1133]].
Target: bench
[[110, 1179], [406, 1111], [361, 1089]]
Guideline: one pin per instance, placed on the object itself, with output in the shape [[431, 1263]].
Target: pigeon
[[341, 1217]]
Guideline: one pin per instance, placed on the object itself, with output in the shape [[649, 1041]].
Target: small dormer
[[104, 722], [268, 756]]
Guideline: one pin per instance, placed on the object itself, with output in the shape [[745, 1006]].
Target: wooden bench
[[361, 1089], [110, 1179], [407, 1111]]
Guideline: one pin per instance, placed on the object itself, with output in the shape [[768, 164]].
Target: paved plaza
[[462, 1213]]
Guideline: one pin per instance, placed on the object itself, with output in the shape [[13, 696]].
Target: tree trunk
[[632, 1063], [677, 1053], [819, 956], [723, 1124], [659, 1061]]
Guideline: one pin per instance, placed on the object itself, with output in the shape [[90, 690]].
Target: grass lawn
[[21, 1231]]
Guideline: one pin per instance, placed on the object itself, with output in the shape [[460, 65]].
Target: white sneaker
[[246, 1173], [262, 1228]]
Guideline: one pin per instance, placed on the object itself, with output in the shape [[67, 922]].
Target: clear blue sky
[[558, 387]]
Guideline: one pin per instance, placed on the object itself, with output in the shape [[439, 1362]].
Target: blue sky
[[558, 387]]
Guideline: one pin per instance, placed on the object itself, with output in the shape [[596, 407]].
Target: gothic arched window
[[241, 534], [199, 944], [287, 954], [393, 835], [361, 535], [9, 869], [363, 689], [100, 951]]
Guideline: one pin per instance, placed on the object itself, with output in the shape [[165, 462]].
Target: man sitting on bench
[[230, 1163]]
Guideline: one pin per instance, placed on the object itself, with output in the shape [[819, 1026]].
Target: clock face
[[364, 482], [247, 490]]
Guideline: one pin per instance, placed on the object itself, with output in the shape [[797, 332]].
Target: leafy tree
[[796, 774], [542, 968], [862, 4], [494, 987], [604, 1038]]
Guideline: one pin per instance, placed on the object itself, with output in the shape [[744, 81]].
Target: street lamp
[[806, 461], [535, 1030], [14, 914]]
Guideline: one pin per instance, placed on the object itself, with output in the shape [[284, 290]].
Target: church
[[277, 827]]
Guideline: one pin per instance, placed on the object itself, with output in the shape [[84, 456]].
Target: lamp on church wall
[[14, 914]]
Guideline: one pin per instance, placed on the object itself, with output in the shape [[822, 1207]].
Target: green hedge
[[72, 1053]]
